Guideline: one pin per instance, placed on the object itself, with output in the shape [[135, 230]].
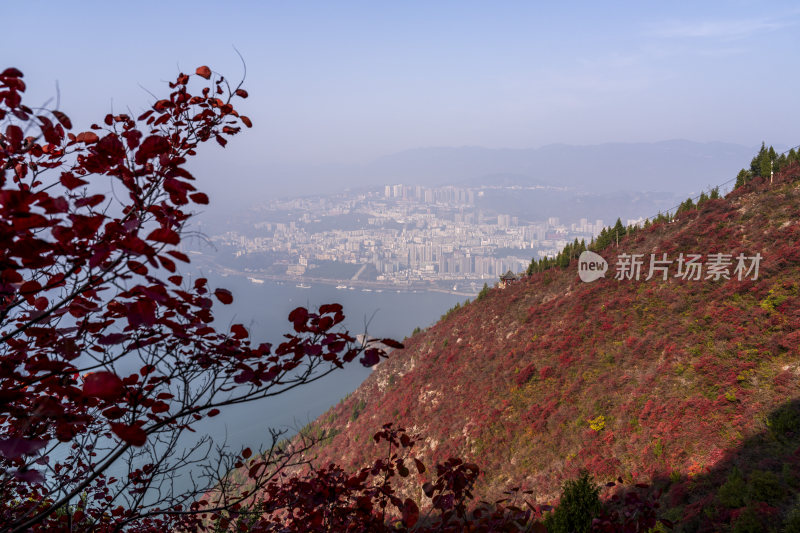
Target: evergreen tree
[[485, 290], [756, 164], [579, 505], [688, 205], [603, 240], [743, 177], [781, 162], [618, 232]]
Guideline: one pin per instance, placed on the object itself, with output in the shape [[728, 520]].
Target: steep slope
[[676, 381]]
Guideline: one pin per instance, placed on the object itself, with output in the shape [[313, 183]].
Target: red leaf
[[16, 448], [213, 412], [112, 413], [69, 181], [112, 338], [137, 267], [162, 104], [241, 93], [391, 343], [246, 453], [164, 235], [91, 201], [371, 357], [14, 135], [247, 121], [330, 308], [11, 72], [180, 256], [142, 313], [132, 138], [30, 476], [152, 146], [159, 407], [40, 303], [169, 264], [87, 137], [103, 385], [203, 72], [63, 119], [410, 513], [299, 316], [239, 332], [325, 323], [254, 470], [133, 435], [224, 296], [199, 198]]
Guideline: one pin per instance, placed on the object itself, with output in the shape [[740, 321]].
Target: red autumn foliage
[[684, 373], [103, 385], [107, 355]]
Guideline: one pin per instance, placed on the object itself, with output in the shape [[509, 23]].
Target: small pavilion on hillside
[[507, 278]]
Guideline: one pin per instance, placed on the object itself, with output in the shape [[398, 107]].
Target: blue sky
[[345, 82]]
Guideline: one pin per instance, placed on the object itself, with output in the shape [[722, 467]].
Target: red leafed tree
[[107, 354]]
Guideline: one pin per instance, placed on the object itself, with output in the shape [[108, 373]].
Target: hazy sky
[[345, 82]]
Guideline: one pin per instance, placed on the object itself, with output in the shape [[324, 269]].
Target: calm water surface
[[264, 309]]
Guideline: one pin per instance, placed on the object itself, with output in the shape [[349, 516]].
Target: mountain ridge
[[676, 165], [654, 381]]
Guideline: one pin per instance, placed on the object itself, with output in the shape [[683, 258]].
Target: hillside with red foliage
[[691, 385]]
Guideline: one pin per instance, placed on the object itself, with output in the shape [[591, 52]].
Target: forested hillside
[[691, 385]]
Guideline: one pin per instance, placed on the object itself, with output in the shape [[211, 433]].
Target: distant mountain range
[[676, 166]]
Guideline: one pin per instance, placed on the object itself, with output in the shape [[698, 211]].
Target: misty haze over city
[[337, 90]]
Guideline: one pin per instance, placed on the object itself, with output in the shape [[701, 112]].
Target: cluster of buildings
[[408, 233]]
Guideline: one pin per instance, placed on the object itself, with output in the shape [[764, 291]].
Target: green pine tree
[[580, 503], [743, 177], [618, 231]]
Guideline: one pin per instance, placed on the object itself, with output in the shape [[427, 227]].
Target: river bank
[[473, 286]]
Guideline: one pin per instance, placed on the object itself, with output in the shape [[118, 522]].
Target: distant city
[[398, 235]]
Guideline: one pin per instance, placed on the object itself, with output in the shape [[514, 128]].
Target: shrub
[[597, 424], [525, 374], [749, 522], [357, 408], [580, 503], [731, 493], [784, 422], [764, 486], [792, 522]]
